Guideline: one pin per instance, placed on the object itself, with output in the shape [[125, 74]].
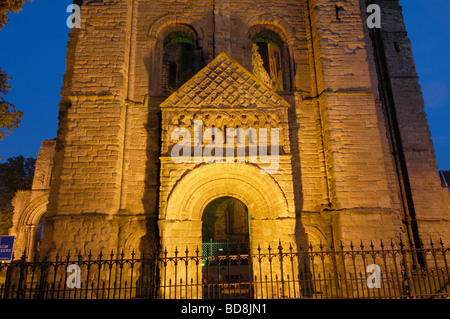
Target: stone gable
[[224, 83], [356, 156]]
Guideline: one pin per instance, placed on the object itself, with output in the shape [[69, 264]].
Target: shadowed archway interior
[[225, 242], [225, 220]]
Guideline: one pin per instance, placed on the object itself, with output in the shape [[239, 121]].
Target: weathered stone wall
[[89, 151], [31, 205], [111, 182], [187, 188], [429, 208], [353, 146]]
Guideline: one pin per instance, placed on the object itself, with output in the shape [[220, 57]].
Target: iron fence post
[[8, 279], [43, 278], [316, 277], [405, 269], [280, 249]]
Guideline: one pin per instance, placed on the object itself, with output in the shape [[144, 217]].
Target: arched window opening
[[38, 234], [178, 61], [267, 60]]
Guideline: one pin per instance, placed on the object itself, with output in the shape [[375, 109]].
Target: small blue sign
[[6, 247]]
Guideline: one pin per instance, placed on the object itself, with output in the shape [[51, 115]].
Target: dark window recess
[[178, 61], [173, 73], [266, 59]]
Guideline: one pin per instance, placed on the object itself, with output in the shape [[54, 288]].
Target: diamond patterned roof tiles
[[224, 83]]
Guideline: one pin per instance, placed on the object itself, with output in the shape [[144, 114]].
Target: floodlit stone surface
[[340, 178]]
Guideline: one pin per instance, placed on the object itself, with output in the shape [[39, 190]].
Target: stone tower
[[354, 156]]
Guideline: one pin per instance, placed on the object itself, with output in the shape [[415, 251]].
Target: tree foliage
[[7, 7], [9, 116], [15, 174]]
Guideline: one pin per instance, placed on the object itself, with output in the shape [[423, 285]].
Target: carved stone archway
[[223, 95], [272, 219], [29, 207]]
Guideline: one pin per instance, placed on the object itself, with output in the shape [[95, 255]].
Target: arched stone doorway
[[226, 220], [272, 215], [272, 212], [28, 221], [189, 183], [226, 262]]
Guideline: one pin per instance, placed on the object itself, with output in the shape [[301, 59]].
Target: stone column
[[353, 144], [89, 146], [424, 200]]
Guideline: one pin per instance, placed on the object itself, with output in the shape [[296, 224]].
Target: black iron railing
[[235, 271]]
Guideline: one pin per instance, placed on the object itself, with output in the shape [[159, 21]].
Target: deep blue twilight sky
[[34, 51]]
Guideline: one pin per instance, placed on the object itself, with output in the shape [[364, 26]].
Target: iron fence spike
[[303, 276]]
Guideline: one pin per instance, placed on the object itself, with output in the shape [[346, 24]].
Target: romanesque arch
[[157, 35], [271, 217], [26, 218], [315, 236], [274, 22], [286, 34], [157, 29]]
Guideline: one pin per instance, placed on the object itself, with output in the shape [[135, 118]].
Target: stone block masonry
[[349, 105]]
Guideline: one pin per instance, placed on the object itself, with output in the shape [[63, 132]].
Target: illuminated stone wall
[[115, 187], [428, 200], [30, 206]]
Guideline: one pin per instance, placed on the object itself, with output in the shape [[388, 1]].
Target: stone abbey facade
[[355, 159]]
